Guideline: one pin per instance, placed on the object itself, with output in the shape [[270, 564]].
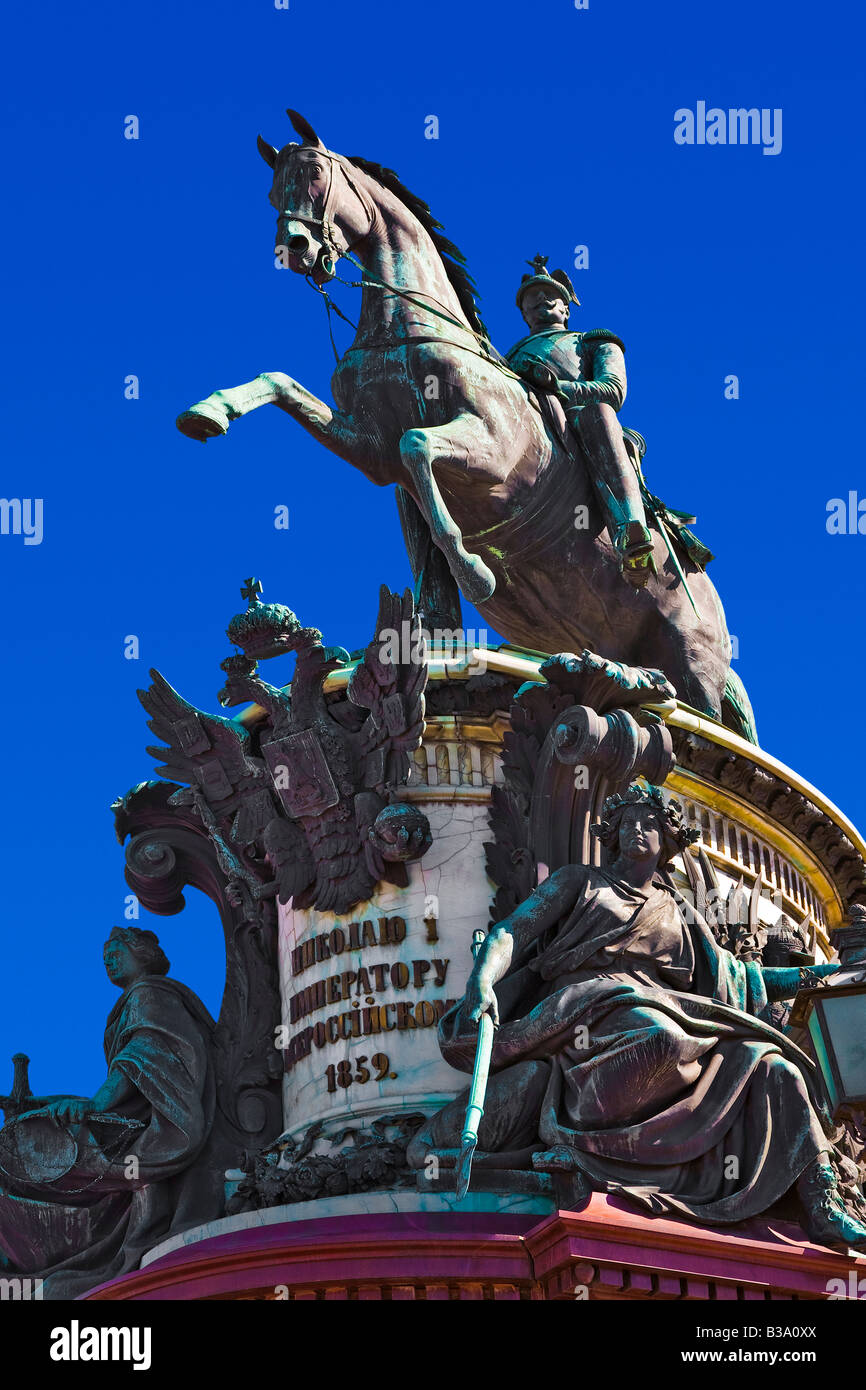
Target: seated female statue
[[89, 1184], [632, 1048]]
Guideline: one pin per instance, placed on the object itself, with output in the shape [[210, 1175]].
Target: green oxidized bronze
[[494, 495], [632, 1052], [89, 1184], [586, 373]]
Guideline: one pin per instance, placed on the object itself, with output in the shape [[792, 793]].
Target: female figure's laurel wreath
[[677, 834]]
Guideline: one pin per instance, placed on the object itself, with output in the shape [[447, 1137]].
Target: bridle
[[331, 249], [333, 253]]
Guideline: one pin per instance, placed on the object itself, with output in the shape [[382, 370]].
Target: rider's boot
[[828, 1221], [634, 546], [618, 489]]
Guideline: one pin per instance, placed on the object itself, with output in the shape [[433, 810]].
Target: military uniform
[[595, 360], [588, 370]]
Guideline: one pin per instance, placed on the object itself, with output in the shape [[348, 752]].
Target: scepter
[[478, 1089]]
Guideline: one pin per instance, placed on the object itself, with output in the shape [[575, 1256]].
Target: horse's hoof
[[477, 583], [204, 421]]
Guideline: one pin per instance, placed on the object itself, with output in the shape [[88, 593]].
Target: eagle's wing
[[290, 858], [389, 682], [342, 876], [205, 751]]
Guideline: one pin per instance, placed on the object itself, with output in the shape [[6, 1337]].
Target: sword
[[667, 535], [619, 511], [668, 540], [478, 1089]]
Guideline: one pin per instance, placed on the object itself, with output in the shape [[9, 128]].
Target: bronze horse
[[483, 467]]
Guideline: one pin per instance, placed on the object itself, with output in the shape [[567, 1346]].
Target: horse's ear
[[304, 129], [267, 152]]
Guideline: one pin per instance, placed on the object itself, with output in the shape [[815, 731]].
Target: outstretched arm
[[116, 1089], [550, 901]]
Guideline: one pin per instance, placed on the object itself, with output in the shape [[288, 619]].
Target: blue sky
[[154, 257]]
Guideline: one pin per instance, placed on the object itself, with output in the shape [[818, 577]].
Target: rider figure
[[587, 371]]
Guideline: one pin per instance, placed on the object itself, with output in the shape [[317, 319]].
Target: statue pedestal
[[361, 994], [367, 989], [409, 1247]]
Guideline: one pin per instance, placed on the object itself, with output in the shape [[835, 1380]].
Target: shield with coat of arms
[[300, 773]]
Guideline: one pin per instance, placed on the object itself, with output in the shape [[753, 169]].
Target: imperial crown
[[268, 629]]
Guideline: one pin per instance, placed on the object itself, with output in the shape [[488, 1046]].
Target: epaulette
[[602, 335]]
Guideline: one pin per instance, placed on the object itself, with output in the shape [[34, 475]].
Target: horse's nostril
[[297, 243]]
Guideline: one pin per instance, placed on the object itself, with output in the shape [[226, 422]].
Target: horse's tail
[[737, 712]]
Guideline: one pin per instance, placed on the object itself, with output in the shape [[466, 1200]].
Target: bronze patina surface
[[494, 495]]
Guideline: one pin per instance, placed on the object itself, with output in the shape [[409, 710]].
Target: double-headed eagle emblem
[[303, 800]]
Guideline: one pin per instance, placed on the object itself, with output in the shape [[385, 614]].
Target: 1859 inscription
[[341, 1074]]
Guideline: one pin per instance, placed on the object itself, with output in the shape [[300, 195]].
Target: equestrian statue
[[515, 482]]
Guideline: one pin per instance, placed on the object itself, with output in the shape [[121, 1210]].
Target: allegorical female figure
[[88, 1185], [632, 1048]]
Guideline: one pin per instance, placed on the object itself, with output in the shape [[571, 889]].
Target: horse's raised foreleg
[[214, 414], [446, 446]]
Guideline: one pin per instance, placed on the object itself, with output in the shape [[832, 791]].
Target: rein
[[485, 349]]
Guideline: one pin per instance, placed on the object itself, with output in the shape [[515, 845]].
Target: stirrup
[[634, 546]]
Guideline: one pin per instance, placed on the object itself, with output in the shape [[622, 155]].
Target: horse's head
[[321, 212]]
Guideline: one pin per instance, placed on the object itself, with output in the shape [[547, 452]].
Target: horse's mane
[[452, 257]]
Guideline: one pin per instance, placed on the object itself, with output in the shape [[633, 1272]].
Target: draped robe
[[653, 1061], [96, 1218]]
